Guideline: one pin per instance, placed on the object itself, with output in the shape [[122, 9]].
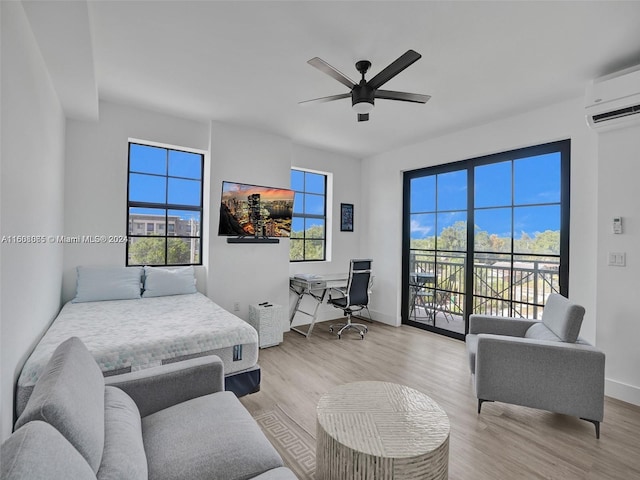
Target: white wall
[[32, 184], [603, 185], [618, 326], [246, 273], [96, 178]]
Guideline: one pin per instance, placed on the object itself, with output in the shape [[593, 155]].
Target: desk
[[380, 430], [316, 287]]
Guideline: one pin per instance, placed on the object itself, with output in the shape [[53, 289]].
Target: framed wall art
[[346, 217]]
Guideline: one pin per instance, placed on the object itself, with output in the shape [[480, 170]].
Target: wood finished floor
[[503, 442]]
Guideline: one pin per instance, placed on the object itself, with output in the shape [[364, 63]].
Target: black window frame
[[164, 206], [304, 216], [563, 147]]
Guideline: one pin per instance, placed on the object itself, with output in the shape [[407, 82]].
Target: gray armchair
[[538, 364], [164, 423]]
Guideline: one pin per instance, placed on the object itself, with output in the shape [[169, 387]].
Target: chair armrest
[[156, 388], [340, 290], [556, 376], [514, 327]]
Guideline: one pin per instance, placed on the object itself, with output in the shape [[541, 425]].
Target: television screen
[[255, 210]]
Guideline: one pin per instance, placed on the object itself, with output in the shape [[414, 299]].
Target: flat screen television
[[253, 210]]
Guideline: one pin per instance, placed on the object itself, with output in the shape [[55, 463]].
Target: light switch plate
[[617, 259]]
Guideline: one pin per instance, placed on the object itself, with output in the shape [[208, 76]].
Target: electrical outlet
[[236, 306]]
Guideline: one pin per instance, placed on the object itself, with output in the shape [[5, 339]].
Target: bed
[[132, 334]]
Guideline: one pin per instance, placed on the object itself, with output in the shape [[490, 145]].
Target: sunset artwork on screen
[[255, 210]]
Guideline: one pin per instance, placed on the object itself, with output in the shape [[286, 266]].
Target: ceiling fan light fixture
[[363, 107]]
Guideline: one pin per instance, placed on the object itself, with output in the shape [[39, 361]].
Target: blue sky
[[164, 176], [519, 196]]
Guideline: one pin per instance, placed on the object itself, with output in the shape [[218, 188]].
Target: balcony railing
[[500, 287]]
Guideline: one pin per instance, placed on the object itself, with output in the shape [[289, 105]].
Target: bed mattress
[[129, 335]]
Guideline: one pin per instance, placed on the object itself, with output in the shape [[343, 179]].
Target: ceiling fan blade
[[332, 72], [393, 69], [402, 96], [326, 99], [363, 117]]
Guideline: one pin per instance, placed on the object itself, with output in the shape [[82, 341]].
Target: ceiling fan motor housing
[[362, 93]]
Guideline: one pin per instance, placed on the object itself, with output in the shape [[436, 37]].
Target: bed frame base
[[243, 383]]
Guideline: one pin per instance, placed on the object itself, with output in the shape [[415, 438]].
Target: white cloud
[[420, 230]]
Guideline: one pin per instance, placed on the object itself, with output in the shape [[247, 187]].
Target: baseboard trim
[[622, 391], [385, 318]]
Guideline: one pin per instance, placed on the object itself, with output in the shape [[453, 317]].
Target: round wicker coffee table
[[380, 430]]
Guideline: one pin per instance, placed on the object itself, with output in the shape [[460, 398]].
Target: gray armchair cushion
[[69, 395], [211, 437], [37, 451], [563, 317], [124, 456], [539, 331]]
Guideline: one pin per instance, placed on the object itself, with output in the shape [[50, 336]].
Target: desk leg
[[299, 295], [318, 298]]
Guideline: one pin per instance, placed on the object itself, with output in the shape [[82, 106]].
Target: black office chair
[[355, 297]]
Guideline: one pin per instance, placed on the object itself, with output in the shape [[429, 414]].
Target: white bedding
[[131, 335]]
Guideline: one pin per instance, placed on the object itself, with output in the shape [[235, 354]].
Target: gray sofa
[[169, 422], [539, 364]]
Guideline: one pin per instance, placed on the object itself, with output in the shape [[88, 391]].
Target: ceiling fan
[[364, 93]]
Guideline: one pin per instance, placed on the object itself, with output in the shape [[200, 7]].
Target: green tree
[[309, 248], [547, 242], [151, 251], [524, 244], [453, 237]]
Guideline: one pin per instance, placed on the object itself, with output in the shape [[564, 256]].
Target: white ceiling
[[244, 62]]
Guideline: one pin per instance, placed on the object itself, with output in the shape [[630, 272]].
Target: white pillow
[[96, 284], [159, 282]]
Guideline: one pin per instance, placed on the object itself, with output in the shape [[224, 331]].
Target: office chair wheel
[[362, 336], [331, 330], [339, 336]]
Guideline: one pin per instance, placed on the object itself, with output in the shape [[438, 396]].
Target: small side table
[[268, 322], [380, 430]]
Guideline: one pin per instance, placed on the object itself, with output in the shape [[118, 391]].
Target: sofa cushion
[[37, 451], [211, 437], [563, 317], [69, 395], [539, 331], [123, 455]]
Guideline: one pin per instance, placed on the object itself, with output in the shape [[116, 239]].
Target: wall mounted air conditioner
[[613, 101]]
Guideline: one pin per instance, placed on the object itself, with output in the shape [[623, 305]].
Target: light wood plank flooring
[[503, 442]]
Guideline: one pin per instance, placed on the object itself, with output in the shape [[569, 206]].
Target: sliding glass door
[[487, 235], [438, 250]]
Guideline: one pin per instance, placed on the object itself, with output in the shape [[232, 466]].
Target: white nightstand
[[268, 322]]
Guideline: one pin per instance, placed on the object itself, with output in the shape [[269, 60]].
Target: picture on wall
[[346, 217]]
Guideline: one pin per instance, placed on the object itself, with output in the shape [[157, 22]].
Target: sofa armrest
[[556, 376], [515, 327], [156, 388]]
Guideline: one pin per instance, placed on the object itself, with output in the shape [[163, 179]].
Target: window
[[165, 193], [308, 230], [491, 234]]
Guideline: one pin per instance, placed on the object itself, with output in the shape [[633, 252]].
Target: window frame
[[166, 206], [562, 147], [326, 218]]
